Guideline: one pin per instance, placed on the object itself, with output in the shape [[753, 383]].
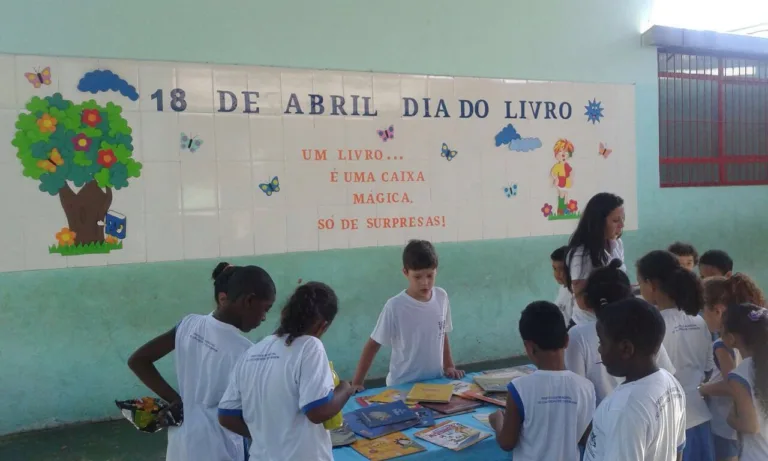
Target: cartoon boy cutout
[[562, 172]]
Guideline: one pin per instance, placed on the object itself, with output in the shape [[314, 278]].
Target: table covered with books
[[373, 430]]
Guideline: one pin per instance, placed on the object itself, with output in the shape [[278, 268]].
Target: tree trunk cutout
[[84, 210]]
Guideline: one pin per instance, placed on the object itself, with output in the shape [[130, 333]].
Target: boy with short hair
[[715, 263], [415, 324], [686, 254], [564, 296], [549, 399], [643, 419]]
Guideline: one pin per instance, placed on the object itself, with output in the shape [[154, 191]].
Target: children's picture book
[[363, 401], [496, 398], [388, 396], [439, 393], [426, 417], [456, 405], [462, 387], [452, 435], [524, 369], [386, 414], [342, 436], [389, 446], [352, 420], [496, 383]]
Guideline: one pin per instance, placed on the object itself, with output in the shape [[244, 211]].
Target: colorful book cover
[[352, 420], [496, 383], [388, 396], [452, 435], [426, 417], [456, 405], [363, 401], [440, 393], [462, 387], [525, 369], [386, 414], [484, 418], [342, 436], [389, 446], [496, 398], [442, 416]]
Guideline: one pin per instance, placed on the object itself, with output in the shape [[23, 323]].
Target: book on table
[[352, 420], [483, 418], [426, 417], [455, 405], [496, 398], [524, 369], [452, 435], [386, 414], [462, 387], [342, 436], [389, 446], [437, 393], [388, 396], [496, 383]]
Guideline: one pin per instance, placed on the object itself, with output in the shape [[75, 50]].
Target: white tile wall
[[208, 204]]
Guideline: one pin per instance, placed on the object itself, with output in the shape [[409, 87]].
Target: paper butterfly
[[387, 134], [54, 159], [447, 153], [510, 191], [190, 143], [604, 151], [37, 78], [272, 186]]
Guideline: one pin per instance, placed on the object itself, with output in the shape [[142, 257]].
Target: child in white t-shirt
[[605, 285], [564, 296], [678, 294], [207, 348], [720, 292], [548, 411], [686, 254], [415, 324], [281, 390], [595, 243], [643, 419], [745, 327]]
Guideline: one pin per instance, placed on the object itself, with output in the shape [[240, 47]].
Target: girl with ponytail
[[604, 286], [678, 294], [281, 390], [745, 327], [720, 292]]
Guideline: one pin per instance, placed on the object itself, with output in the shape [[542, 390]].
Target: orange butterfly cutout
[[38, 79], [604, 151], [54, 159]]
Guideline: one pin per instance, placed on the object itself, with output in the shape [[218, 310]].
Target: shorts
[[698, 443], [725, 448]]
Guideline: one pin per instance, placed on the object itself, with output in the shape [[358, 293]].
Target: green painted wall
[[65, 334]]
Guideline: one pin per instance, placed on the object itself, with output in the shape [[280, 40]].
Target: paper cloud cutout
[[511, 138], [105, 80], [506, 135]]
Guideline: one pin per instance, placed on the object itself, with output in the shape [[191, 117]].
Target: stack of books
[[381, 425]]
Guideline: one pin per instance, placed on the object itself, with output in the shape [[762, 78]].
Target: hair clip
[[757, 314], [603, 301]]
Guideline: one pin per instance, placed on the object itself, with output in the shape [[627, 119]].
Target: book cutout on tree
[[80, 153], [456, 405], [436, 393], [390, 446], [386, 414], [452, 435], [353, 422]]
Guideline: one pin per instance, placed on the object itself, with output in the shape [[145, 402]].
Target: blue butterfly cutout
[[271, 186], [448, 153], [511, 191], [190, 143]]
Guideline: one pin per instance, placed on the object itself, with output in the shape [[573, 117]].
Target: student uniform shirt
[[582, 358], [720, 406], [580, 266], [206, 353], [416, 332], [640, 421], [565, 302], [754, 447], [689, 345], [555, 408], [273, 386]]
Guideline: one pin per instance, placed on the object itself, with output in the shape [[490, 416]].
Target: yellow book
[[435, 393], [387, 447], [388, 396]]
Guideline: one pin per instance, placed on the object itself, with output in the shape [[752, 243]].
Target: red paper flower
[[81, 142], [106, 158], [546, 210], [573, 206], [91, 117]]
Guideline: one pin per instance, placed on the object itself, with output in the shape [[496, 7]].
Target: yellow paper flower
[[47, 124], [66, 237]]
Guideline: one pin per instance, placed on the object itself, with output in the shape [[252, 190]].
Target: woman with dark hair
[[595, 243]]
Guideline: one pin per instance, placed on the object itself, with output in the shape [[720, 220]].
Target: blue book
[[426, 418], [387, 414], [353, 422]]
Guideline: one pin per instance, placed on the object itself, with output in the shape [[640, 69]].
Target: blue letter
[[508, 105], [407, 102], [248, 102], [315, 103], [535, 110], [354, 104], [337, 105], [367, 108], [481, 103], [441, 107], [563, 106], [466, 104], [293, 102], [223, 101], [426, 108], [549, 107]]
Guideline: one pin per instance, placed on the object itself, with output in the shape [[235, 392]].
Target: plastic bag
[[149, 414], [338, 420]]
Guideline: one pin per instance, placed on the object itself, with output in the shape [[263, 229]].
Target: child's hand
[[452, 373], [496, 420], [357, 388]]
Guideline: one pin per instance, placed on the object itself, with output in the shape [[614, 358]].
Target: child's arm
[[449, 369], [234, 423], [727, 364], [370, 350], [322, 413], [142, 363], [507, 425], [231, 406], [743, 417]]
